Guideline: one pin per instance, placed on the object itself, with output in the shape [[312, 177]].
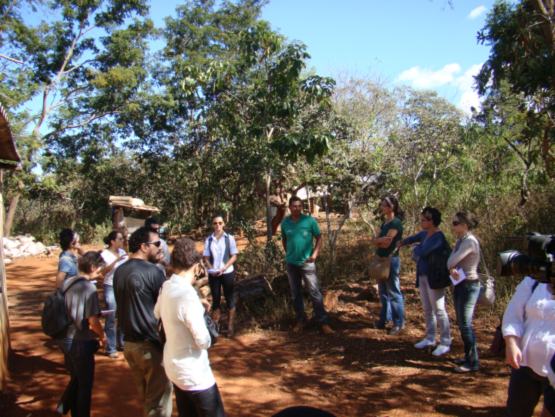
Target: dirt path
[[356, 372]]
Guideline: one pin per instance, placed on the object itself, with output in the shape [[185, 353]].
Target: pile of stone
[[22, 246]]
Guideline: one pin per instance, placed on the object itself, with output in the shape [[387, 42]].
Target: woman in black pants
[[220, 253]]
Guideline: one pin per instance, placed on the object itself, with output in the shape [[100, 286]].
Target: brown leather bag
[[379, 267]]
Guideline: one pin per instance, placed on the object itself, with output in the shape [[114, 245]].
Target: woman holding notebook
[[463, 265]]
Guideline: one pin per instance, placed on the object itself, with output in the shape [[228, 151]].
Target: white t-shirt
[[187, 338], [109, 258], [218, 251]]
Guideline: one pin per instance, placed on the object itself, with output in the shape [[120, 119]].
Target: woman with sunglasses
[[187, 338], [389, 291], [431, 240], [466, 257], [114, 256], [220, 253]]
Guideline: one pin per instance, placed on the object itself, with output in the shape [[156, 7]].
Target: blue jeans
[[79, 358], [464, 297], [307, 273], [525, 389], [391, 296], [110, 325]]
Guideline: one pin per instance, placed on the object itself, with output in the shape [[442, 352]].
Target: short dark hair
[[293, 199], [150, 221], [140, 236], [432, 214], [215, 216], [66, 238], [90, 259], [184, 255], [468, 219], [111, 237]]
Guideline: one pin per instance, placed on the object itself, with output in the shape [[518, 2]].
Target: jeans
[[465, 296], [216, 282], [79, 358], [145, 361], [433, 302], [391, 296], [525, 389], [205, 403], [110, 325], [307, 273]]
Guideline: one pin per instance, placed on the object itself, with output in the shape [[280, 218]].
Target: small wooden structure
[[9, 159], [122, 205]]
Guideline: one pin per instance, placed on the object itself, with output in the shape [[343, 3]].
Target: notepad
[[462, 277], [106, 312], [214, 271]]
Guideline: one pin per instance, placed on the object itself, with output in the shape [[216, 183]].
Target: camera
[[538, 264]]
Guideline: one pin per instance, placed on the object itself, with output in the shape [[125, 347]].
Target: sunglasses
[[455, 223], [216, 223], [157, 244]]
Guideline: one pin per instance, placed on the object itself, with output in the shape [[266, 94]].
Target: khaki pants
[[155, 389]]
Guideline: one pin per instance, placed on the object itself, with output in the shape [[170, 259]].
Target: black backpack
[[438, 273], [55, 318]]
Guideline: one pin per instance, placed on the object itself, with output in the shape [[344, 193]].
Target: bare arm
[[316, 250], [207, 262], [60, 277], [94, 322], [284, 243]]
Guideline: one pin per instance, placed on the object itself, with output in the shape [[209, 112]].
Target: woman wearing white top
[[187, 338], [114, 256], [220, 253], [529, 331]]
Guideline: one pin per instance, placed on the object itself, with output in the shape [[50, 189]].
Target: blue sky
[[421, 43]]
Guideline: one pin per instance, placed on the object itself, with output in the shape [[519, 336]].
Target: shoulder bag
[[438, 272], [380, 267], [487, 293]]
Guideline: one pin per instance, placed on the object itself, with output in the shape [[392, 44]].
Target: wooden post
[[4, 314]]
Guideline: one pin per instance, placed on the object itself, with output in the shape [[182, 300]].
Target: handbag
[[380, 266], [212, 329], [498, 344], [487, 293], [438, 272]]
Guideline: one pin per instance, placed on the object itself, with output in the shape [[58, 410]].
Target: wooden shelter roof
[[8, 151]]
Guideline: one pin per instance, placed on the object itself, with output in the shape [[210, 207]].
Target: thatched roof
[[8, 151]]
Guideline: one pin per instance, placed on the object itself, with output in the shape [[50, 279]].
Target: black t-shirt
[[81, 303], [137, 284]]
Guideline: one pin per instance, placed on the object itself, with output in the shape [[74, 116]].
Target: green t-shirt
[[394, 224], [299, 238]]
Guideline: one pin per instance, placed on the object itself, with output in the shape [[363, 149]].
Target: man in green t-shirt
[[297, 233]]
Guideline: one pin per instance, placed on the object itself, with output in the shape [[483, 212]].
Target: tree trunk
[[10, 214], [268, 208]]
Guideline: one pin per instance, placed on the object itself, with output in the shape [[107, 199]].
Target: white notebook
[[462, 277]]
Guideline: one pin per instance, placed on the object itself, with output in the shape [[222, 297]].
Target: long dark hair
[[392, 201]]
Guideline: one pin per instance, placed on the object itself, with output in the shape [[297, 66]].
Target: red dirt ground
[[358, 371]]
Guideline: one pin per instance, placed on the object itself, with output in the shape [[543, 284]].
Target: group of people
[[136, 289], [465, 257]]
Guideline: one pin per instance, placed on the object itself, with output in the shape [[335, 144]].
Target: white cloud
[[425, 78], [477, 12]]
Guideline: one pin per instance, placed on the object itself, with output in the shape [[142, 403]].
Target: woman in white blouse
[[529, 331], [220, 253], [187, 338], [113, 256]]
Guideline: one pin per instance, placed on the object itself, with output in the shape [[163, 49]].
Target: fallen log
[[251, 289], [199, 283]]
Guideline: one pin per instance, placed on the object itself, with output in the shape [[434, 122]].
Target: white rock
[[7, 261]]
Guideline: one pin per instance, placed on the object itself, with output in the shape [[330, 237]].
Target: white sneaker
[[441, 350], [424, 344]]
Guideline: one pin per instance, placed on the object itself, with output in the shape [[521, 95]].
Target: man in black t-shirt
[[137, 284]]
